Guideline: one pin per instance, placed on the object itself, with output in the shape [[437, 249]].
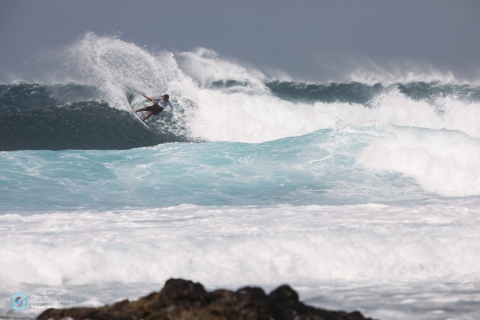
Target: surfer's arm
[[149, 98]]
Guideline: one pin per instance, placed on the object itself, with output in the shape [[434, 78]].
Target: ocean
[[361, 194]]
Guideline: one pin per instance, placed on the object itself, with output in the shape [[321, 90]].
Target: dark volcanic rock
[[186, 300]]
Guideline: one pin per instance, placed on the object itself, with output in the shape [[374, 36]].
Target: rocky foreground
[[186, 300]]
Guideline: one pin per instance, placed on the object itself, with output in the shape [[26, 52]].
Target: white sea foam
[[444, 162], [246, 118], [256, 116], [304, 245]]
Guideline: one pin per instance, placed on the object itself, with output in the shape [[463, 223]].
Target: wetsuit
[[159, 105]]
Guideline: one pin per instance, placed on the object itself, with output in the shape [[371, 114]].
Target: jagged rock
[[185, 300]]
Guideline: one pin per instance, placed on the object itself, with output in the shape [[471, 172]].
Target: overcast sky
[[310, 39]]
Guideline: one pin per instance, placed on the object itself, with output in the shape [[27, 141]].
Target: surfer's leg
[[149, 115], [149, 108]]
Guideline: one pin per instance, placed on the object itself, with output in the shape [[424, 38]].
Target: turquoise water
[[318, 168]]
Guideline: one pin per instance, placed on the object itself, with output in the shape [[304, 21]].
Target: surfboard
[[140, 120]]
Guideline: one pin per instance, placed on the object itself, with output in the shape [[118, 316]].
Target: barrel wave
[[361, 194]]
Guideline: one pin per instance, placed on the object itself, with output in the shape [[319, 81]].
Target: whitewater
[[362, 195]]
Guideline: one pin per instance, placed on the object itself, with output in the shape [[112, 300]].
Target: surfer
[[158, 105]]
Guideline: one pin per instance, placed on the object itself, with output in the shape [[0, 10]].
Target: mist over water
[[338, 185]]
